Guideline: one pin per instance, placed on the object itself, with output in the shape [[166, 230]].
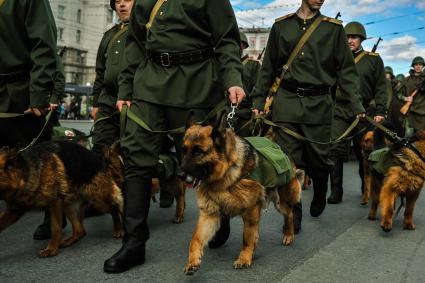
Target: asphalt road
[[339, 246]]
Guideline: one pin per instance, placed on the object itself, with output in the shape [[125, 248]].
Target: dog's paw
[[371, 216], [119, 233], [288, 240], [409, 226], [386, 226], [67, 242], [363, 202], [241, 263], [178, 219], [191, 268], [48, 252]]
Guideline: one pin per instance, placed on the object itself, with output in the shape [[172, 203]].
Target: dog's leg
[[388, 197], [56, 215], [118, 226], [367, 182], [74, 214], [204, 231], [251, 221], [288, 233], [180, 200], [408, 213], [10, 216], [375, 191]]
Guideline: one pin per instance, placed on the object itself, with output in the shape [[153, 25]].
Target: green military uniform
[[394, 116], [416, 114], [186, 60], [58, 92], [304, 100], [27, 67], [110, 61]]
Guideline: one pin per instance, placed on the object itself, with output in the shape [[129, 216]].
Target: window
[[78, 36], [61, 12], [60, 34], [79, 16]]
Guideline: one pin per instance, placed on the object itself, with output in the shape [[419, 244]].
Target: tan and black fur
[[404, 179], [220, 161], [61, 177], [367, 146]]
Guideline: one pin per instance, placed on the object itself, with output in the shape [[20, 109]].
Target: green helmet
[[112, 2], [389, 70], [355, 28], [244, 39], [418, 60], [400, 77]]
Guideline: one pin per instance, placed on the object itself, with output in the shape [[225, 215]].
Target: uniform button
[[161, 13], [303, 28], [302, 53], [119, 41], [116, 52]]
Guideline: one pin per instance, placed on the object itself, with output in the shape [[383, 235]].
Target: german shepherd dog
[[220, 162], [61, 177], [367, 146], [406, 179]]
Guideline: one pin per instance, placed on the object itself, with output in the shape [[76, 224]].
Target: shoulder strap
[[153, 13], [284, 17], [294, 53], [116, 36], [360, 57]]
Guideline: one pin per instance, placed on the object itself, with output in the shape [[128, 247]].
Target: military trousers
[[141, 148], [416, 121], [106, 131], [313, 158]]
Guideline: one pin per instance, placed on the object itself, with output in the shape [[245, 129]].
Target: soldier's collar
[[356, 53], [307, 21]]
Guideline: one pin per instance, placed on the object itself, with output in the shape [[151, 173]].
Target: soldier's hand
[[378, 118], [236, 94], [36, 111], [408, 99], [256, 112], [121, 103], [94, 112], [53, 106]]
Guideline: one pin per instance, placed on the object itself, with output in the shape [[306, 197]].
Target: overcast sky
[[404, 17]]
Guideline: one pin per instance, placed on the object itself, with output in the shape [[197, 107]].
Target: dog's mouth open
[[199, 172]]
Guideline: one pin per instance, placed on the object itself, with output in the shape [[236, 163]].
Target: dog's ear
[[219, 130], [190, 120]]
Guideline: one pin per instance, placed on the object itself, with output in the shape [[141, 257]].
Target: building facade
[[80, 26], [257, 39]]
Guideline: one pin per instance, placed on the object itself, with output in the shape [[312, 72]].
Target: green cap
[[389, 70], [112, 2], [355, 28], [244, 39], [418, 60], [400, 77]]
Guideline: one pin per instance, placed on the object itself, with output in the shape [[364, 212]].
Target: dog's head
[[367, 142], [207, 150]]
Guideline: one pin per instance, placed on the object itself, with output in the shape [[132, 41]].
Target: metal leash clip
[[231, 115]]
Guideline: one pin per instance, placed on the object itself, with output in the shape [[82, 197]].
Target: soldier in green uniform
[[415, 81], [251, 69], [27, 67], [110, 61], [304, 101], [372, 88], [183, 55], [393, 115], [390, 83]]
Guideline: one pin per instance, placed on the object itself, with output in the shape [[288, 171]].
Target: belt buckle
[[164, 59], [300, 92]]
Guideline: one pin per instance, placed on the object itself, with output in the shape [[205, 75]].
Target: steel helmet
[[418, 60], [389, 70], [400, 77], [355, 28], [244, 39]]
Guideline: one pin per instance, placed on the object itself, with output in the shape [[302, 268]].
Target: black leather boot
[[43, 230], [336, 182], [222, 234], [318, 204], [137, 194], [166, 198]]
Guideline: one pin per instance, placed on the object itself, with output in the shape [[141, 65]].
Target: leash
[[40, 133], [127, 113]]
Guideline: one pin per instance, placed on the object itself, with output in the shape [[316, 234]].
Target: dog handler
[[182, 55], [373, 91], [303, 100]]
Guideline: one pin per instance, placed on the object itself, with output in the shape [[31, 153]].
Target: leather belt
[[167, 59], [14, 77], [306, 92]]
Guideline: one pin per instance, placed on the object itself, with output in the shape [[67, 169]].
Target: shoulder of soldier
[[284, 17], [112, 30], [332, 20], [372, 54]]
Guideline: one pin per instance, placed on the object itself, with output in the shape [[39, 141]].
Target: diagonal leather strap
[[10, 115], [359, 57], [153, 14], [117, 35]]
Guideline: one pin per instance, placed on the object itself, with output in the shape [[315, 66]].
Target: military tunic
[[27, 66], [324, 61], [416, 114], [110, 62], [163, 95], [373, 91]]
